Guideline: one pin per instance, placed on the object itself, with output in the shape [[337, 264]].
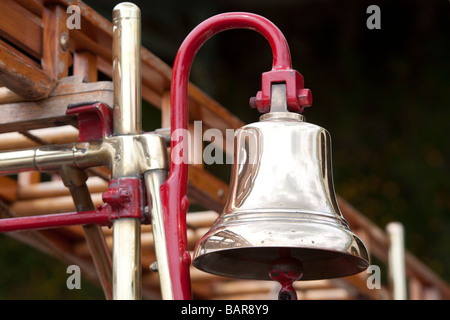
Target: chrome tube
[[127, 69], [75, 179], [53, 157], [153, 181], [397, 273], [17, 161], [127, 121], [127, 259]]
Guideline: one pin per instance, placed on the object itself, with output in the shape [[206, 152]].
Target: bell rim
[[354, 264], [342, 253]]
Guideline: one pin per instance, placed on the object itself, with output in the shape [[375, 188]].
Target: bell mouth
[[254, 263], [246, 251]]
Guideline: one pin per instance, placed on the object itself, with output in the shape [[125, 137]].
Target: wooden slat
[[49, 205], [416, 269], [379, 245], [59, 135], [22, 76], [35, 6], [85, 65], [8, 96], [8, 189], [15, 19], [156, 74], [206, 188], [56, 189], [52, 111], [55, 57]]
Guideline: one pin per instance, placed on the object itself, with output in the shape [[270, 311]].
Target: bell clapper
[[285, 270]]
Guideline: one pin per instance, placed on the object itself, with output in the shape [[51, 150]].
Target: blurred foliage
[[30, 274], [383, 95]]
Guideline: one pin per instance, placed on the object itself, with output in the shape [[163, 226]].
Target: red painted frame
[[125, 198]]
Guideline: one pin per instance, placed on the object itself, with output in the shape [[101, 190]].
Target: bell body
[[281, 201]]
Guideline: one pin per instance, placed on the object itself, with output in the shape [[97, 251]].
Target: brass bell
[[281, 203]]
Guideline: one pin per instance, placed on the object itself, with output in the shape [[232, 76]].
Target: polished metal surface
[[127, 156], [153, 181], [132, 155], [278, 101], [53, 157], [281, 197], [17, 161], [127, 68], [127, 121], [127, 259]]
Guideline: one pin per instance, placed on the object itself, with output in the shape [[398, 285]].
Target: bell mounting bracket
[[297, 96]]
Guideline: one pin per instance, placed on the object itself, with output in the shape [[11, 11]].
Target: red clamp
[[297, 96], [95, 120], [125, 198]]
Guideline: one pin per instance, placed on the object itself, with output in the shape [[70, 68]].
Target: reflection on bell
[[281, 199]]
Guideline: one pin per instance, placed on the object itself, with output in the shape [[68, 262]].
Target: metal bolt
[[124, 195], [154, 266], [64, 41]]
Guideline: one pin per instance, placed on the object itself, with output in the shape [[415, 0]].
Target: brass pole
[[153, 181], [53, 157], [127, 69], [127, 121]]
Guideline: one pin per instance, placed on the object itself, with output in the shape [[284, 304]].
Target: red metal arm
[[173, 191]]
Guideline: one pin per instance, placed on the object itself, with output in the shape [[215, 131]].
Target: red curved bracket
[[94, 120], [173, 191]]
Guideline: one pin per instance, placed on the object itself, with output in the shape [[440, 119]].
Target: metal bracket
[[94, 119], [297, 96], [125, 198], [278, 100]]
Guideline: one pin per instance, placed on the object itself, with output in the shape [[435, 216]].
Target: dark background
[[384, 96]]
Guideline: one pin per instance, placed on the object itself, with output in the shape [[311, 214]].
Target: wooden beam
[[49, 205], [55, 135], [207, 189], [51, 112], [8, 96], [8, 189], [15, 19], [55, 55], [22, 76], [379, 245], [85, 65], [34, 6], [51, 189]]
